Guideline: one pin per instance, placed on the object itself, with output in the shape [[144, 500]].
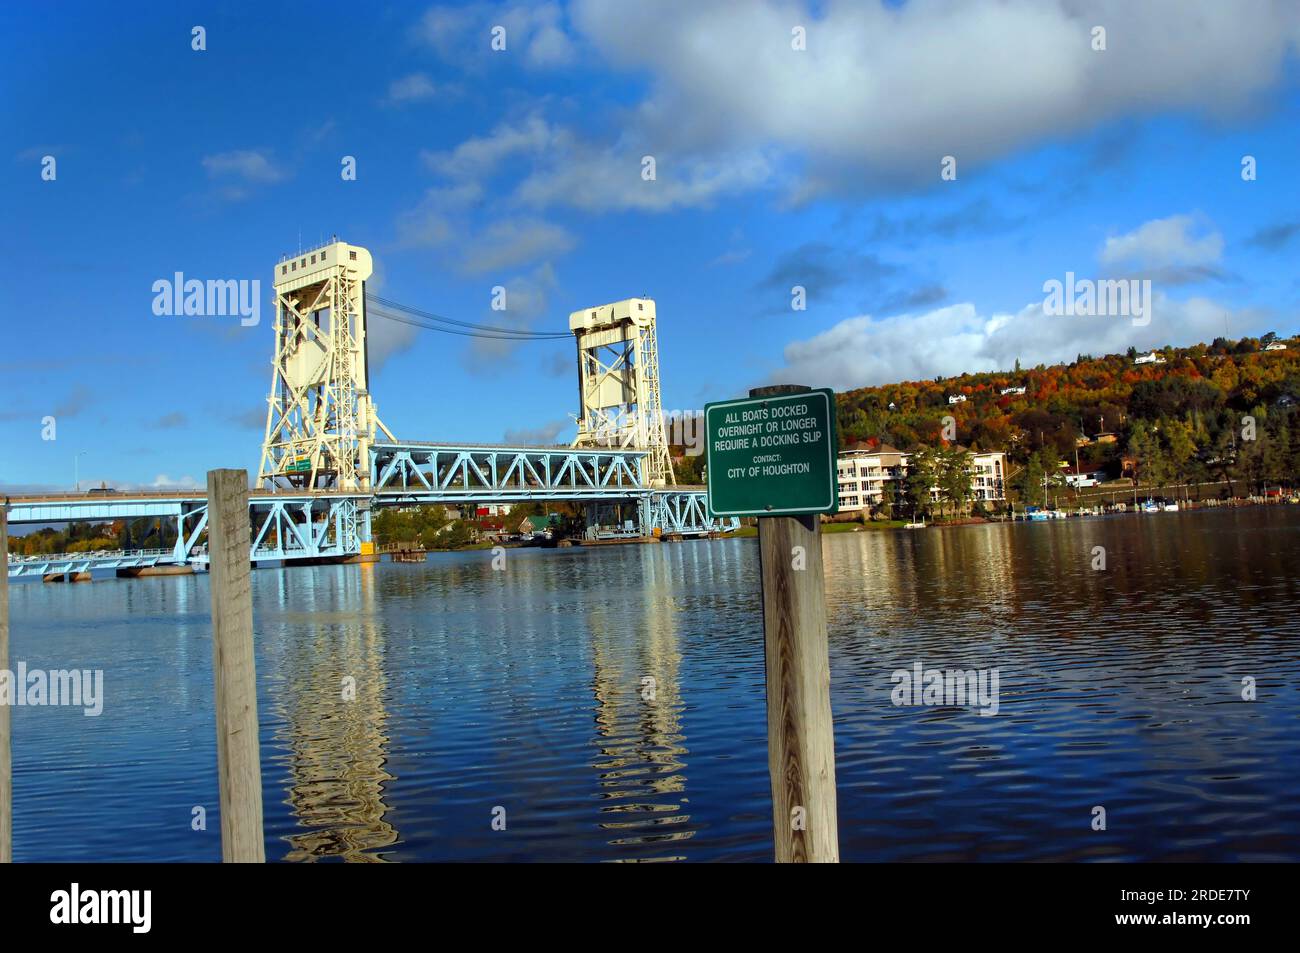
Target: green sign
[[772, 456]]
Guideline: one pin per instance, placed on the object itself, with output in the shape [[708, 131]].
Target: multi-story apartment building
[[863, 471], [989, 476]]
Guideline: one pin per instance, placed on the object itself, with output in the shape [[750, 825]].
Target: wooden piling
[[239, 762], [6, 764], [800, 734]]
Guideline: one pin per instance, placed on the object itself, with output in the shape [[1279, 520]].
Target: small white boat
[[914, 526], [1150, 506], [1171, 507]]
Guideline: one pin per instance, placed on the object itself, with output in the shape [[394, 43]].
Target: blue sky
[[775, 167]]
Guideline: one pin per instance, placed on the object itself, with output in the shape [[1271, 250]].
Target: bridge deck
[[293, 524]]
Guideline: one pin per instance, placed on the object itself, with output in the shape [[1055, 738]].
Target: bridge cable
[[395, 311]]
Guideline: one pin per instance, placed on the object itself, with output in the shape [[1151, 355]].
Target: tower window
[[352, 255]]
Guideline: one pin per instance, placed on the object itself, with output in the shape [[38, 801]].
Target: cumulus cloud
[[490, 231], [879, 96], [572, 170], [885, 91], [943, 342], [599, 179], [1165, 244], [463, 33]]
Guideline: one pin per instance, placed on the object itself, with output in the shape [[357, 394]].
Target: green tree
[[922, 474], [955, 476], [1149, 457], [1030, 480], [888, 499], [1181, 449]]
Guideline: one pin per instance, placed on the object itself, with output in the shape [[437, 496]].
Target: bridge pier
[[609, 519]]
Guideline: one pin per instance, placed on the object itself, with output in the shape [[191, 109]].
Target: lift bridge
[[328, 460]]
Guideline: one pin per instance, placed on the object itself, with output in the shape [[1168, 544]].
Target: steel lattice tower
[[320, 420], [618, 383]]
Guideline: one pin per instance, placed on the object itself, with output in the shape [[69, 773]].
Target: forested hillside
[[1223, 411]]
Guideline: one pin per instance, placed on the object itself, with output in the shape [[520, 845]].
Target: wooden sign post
[[239, 758], [775, 454]]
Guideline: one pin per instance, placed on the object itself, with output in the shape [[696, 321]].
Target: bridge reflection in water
[[640, 759], [337, 747]]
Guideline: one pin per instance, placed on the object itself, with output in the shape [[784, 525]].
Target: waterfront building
[[864, 470]]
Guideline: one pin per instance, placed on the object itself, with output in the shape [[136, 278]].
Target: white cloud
[[863, 350], [479, 156], [879, 96], [1163, 243], [528, 297], [250, 165], [885, 91], [506, 244], [412, 88], [163, 482], [464, 33], [611, 179], [568, 170]]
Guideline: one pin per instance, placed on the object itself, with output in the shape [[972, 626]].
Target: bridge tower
[[320, 419], [618, 383]]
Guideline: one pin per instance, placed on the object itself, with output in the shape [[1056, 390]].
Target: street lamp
[[76, 468]]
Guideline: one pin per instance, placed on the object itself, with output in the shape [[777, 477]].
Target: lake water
[[522, 689]]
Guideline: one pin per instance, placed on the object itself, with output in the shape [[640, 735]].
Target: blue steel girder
[[306, 525], [59, 564], [304, 528], [449, 473], [291, 526], [685, 513]]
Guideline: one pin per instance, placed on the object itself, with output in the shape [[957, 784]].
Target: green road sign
[[772, 456]]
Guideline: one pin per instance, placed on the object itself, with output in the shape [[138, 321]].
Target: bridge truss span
[[445, 472]]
